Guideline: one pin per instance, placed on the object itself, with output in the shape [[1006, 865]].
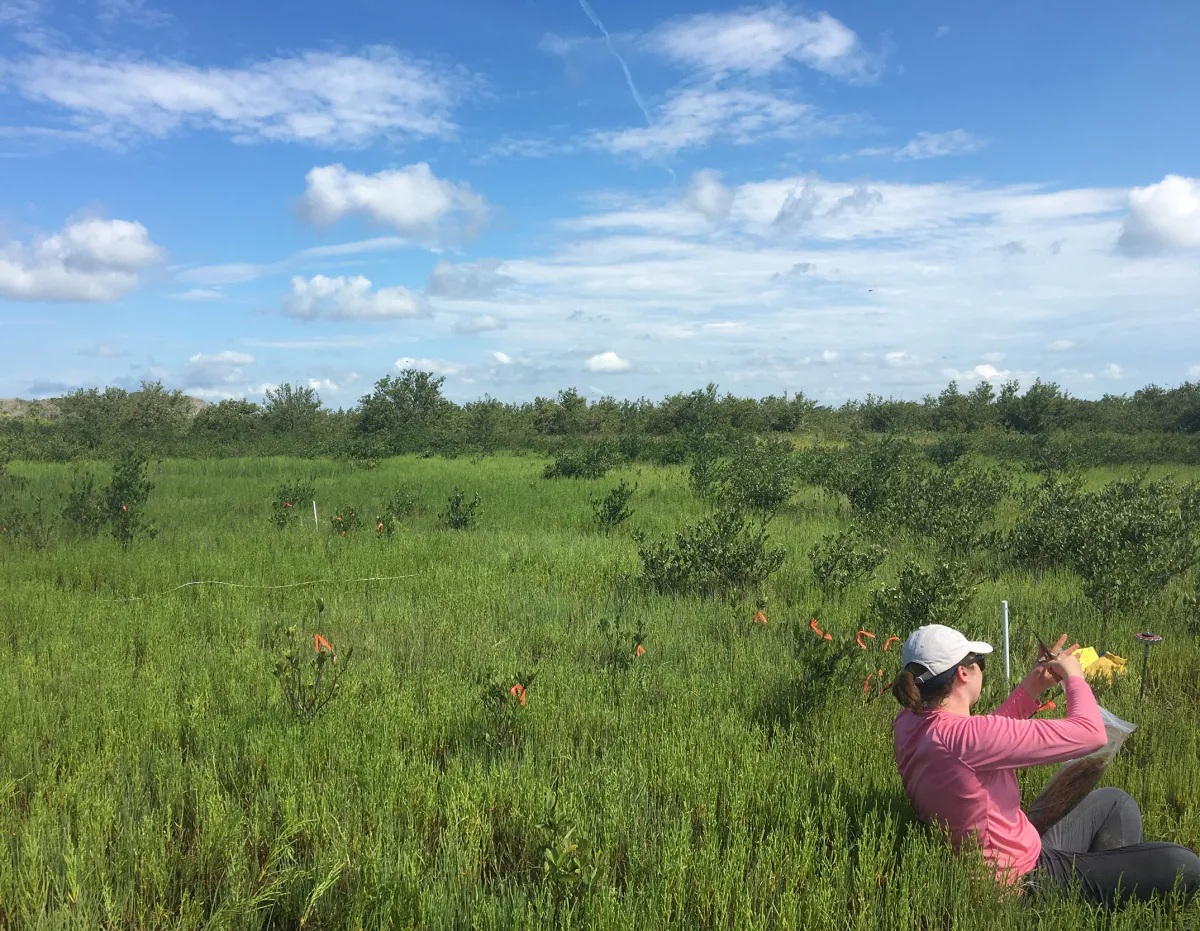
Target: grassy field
[[152, 777]]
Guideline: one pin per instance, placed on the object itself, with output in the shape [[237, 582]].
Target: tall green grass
[[151, 777]]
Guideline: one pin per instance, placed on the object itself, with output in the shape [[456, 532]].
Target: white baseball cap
[[938, 648]]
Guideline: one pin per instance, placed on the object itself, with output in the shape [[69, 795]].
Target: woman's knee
[[1183, 864], [1111, 795]]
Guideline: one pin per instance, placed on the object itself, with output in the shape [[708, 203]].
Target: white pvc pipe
[[1007, 671], [315, 524]]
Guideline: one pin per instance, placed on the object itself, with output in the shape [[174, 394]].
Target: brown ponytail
[[906, 692], [912, 697]]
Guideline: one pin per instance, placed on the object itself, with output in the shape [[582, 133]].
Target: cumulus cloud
[[1112, 370], [218, 370], [478, 324], [1162, 217], [607, 362], [757, 42], [412, 200], [348, 298], [1194, 371], [502, 358], [1060, 345], [436, 366], [708, 196], [938, 145], [88, 260], [984, 372], [466, 281], [314, 97]]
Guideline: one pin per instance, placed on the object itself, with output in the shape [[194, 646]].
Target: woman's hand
[[1052, 669]]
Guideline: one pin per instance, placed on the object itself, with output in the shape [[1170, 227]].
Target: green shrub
[[308, 686], [125, 500], [760, 475], [726, 554], [460, 514], [1126, 541], [841, 559], [84, 511], [921, 596], [611, 511], [291, 500], [588, 460], [345, 520]]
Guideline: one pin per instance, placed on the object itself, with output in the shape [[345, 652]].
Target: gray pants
[[1099, 847]]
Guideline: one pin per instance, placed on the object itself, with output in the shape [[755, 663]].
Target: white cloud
[[697, 116], [757, 42], [936, 145], [1194, 371], [502, 358], [467, 281], [1060, 345], [88, 260], [708, 196], [984, 372], [415, 202], [993, 357], [1112, 370], [899, 359], [436, 366], [348, 298], [221, 369], [200, 294], [607, 362], [314, 97], [479, 324], [1162, 217], [317, 384]]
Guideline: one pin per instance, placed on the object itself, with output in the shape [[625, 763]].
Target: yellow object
[[1106, 667], [1087, 656]]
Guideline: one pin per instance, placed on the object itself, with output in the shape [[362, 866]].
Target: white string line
[[378, 578]]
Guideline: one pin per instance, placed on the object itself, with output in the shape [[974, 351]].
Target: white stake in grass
[[1007, 672], [316, 526]]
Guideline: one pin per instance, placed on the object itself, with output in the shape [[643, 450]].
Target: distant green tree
[[401, 413], [290, 409]]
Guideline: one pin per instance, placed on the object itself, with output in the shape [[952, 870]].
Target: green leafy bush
[[841, 559], [125, 500], [1126, 541], [611, 511], [309, 685], [460, 514], [923, 596], [760, 475], [725, 554], [345, 520], [588, 460], [84, 510], [291, 500]]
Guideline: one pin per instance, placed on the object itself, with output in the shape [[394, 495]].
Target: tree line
[[408, 413]]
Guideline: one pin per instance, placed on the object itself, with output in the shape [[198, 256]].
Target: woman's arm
[[992, 741]]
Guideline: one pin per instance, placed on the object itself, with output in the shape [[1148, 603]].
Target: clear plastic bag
[[1076, 778]]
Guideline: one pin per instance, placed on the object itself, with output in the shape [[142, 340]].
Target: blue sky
[[629, 198]]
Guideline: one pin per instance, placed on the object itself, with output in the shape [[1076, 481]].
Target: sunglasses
[[980, 661]]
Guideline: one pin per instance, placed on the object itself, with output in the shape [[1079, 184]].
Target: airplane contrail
[[637, 98]]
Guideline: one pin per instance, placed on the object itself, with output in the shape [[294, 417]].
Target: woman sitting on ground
[[959, 770]]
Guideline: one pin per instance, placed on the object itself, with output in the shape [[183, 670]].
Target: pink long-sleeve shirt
[[960, 771]]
